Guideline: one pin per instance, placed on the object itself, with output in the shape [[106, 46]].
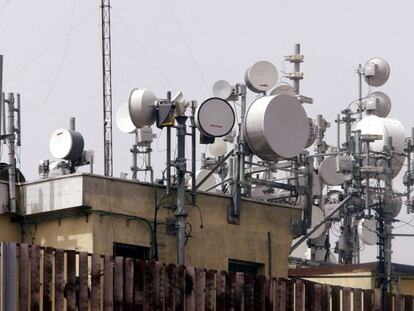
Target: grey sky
[[53, 58]]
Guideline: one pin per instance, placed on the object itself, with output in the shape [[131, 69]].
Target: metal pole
[[193, 155], [19, 122], [1, 96], [168, 189], [296, 66], [11, 153], [360, 91], [338, 134], [181, 212], [72, 124]]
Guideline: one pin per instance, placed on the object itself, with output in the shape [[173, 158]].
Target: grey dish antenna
[[222, 89], [123, 119], [142, 107], [215, 117], [283, 88], [261, 76], [376, 72], [381, 104], [66, 144]]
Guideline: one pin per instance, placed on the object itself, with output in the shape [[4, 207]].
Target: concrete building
[[116, 216]]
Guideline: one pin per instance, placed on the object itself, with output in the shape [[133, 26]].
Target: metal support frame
[[181, 212], [107, 85]]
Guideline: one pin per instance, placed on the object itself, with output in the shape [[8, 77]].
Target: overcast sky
[[52, 56]]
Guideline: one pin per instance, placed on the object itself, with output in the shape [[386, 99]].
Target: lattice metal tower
[[107, 85]]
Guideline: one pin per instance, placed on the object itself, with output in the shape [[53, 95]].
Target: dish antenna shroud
[[376, 72], [123, 119], [66, 144], [222, 89], [261, 76], [215, 117], [276, 127], [142, 107], [382, 104]]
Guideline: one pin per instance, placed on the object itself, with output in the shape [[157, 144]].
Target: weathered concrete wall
[[210, 246], [9, 231]]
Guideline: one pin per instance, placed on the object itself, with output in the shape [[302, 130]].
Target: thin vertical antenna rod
[[1, 96], [107, 85]]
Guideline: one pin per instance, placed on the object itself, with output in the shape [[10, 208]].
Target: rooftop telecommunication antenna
[[107, 85]]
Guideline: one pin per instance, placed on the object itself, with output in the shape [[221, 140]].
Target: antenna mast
[[107, 85]]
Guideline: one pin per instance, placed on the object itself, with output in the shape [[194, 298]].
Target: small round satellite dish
[[283, 88], [222, 89], [367, 231], [317, 217], [218, 148], [66, 144], [208, 184], [276, 127], [261, 77], [383, 104], [215, 117], [327, 170], [377, 71], [142, 107], [123, 119]]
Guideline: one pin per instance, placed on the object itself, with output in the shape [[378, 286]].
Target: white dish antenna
[[261, 76], [123, 119], [317, 217], [276, 127], [208, 184], [215, 117], [142, 107], [283, 88], [367, 231], [373, 125], [328, 172], [376, 71], [222, 89], [382, 104], [66, 144], [218, 148]]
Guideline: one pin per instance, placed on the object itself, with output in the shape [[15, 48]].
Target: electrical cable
[[141, 47], [52, 88], [54, 43], [188, 47]]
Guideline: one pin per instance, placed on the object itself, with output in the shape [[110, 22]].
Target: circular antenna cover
[[215, 117], [383, 106], [261, 76], [142, 107], [218, 148], [66, 144], [222, 89], [377, 71], [209, 183], [367, 231], [283, 88], [123, 119], [276, 127], [327, 170], [386, 127]]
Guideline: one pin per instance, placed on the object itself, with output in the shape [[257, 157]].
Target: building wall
[[9, 231], [348, 279], [111, 200]]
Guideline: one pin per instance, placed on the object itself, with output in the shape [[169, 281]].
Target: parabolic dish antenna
[[142, 107], [209, 183], [312, 134], [261, 76], [367, 231], [66, 144], [218, 148], [215, 117], [373, 125], [377, 71], [383, 104], [123, 119], [222, 89], [276, 127], [283, 88], [327, 170]]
